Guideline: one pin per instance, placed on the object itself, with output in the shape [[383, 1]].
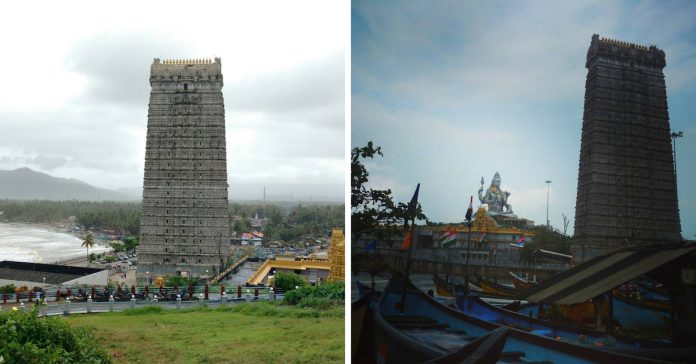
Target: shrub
[[321, 298], [10, 288], [288, 281], [27, 338]]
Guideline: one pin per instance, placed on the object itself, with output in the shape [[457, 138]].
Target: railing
[[458, 257], [67, 307], [198, 293], [229, 269]]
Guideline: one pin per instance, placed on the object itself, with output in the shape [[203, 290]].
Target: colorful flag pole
[[411, 213]]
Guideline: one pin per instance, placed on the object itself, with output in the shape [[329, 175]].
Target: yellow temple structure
[[337, 256], [335, 265]]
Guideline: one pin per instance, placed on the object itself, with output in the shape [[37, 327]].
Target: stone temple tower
[[626, 185], [184, 227]]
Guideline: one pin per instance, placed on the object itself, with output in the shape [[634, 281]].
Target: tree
[[373, 211], [88, 242], [131, 242]]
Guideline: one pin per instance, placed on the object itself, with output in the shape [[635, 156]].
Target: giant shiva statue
[[495, 198]]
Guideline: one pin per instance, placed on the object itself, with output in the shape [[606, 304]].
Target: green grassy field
[[246, 333]]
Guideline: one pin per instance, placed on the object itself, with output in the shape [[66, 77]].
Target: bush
[[10, 288], [27, 338], [181, 282], [288, 281], [321, 298]]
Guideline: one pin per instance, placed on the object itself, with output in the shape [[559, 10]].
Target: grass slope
[[244, 333]]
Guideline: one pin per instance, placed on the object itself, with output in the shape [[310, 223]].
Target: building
[[626, 192], [184, 225], [42, 275], [489, 241], [337, 256]]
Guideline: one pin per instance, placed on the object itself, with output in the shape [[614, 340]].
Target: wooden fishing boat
[[633, 314], [478, 308], [493, 288], [521, 283], [363, 289], [361, 329], [426, 330], [443, 287]]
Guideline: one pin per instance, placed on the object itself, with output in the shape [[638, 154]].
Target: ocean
[[39, 244]]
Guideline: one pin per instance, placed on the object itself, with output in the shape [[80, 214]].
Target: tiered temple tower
[[337, 256], [626, 184], [184, 225]]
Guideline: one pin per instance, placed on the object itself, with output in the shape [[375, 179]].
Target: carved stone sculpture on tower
[[495, 198]]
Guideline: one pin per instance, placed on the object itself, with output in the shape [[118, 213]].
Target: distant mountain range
[[27, 184]]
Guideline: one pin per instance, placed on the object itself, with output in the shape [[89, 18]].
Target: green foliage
[[118, 247], [10, 288], [288, 281], [88, 241], [26, 338], [321, 297], [373, 212], [131, 242], [92, 257], [267, 309], [289, 222], [110, 259], [182, 282], [122, 216], [252, 331]]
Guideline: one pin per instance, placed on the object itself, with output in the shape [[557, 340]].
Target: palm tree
[[89, 242]]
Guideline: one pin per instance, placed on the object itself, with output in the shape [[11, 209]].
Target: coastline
[[44, 242]]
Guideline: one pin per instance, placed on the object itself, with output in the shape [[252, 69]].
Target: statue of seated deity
[[495, 198]]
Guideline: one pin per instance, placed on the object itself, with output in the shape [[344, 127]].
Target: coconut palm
[[88, 242]]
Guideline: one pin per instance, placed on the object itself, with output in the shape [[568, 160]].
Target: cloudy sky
[[454, 91], [75, 89]]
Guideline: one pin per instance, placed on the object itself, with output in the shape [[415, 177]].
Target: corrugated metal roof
[[603, 273]]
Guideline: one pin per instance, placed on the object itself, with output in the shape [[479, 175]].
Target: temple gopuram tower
[[626, 184], [184, 226]]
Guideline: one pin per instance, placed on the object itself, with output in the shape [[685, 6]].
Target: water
[[37, 244]]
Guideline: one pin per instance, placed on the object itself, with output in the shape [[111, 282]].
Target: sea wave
[[36, 244]]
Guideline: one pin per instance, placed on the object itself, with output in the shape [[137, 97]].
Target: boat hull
[[396, 346]]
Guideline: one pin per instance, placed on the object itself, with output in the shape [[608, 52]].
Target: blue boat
[[476, 307], [426, 330], [633, 314]]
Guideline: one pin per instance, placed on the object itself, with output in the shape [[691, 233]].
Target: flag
[[371, 246], [519, 243], [449, 237], [411, 213], [407, 240], [470, 210], [482, 238]]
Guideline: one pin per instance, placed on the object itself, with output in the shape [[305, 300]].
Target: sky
[[76, 88], [454, 91]]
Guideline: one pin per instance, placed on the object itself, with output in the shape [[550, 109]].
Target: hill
[[27, 184]]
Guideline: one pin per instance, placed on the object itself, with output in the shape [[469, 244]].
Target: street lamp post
[[548, 188]]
